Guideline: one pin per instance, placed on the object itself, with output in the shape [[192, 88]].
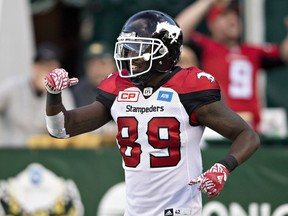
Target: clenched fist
[[57, 80], [212, 181]]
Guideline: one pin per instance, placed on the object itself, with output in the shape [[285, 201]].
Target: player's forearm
[[54, 104], [284, 50], [190, 17], [284, 44], [244, 145]]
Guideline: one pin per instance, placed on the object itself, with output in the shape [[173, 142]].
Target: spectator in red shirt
[[234, 64]]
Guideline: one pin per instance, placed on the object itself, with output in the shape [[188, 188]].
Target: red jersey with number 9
[[236, 69]]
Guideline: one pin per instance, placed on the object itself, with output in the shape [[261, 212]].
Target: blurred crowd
[[219, 48]]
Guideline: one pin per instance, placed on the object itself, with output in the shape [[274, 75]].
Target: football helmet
[[150, 42]]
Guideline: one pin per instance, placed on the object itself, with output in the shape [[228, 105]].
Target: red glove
[[212, 181], [57, 80]]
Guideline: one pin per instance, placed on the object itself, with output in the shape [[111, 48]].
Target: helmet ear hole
[[163, 50]]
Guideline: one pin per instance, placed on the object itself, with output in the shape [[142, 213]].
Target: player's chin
[[138, 68]]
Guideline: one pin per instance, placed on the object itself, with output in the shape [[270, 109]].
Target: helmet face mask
[[150, 41], [137, 54]]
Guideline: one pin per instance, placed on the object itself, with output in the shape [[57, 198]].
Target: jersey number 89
[[162, 133]]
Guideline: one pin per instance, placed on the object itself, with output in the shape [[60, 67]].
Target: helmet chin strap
[[141, 80]]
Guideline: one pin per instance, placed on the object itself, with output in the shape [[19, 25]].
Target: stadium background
[[258, 188]]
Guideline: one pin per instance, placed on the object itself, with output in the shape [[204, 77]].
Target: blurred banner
[[256, 188], [95, 178]]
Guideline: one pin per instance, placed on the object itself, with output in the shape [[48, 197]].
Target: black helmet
[[150, 41]]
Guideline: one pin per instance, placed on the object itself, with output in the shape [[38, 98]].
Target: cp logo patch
[[128, 96]]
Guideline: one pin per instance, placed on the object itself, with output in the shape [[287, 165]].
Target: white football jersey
[[159, 140]]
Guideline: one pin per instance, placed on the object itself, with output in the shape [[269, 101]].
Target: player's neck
[[156, 78]]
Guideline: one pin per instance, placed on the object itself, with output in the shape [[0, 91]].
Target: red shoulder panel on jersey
[[114, 83], [192, 79]]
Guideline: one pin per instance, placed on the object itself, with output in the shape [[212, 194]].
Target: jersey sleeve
[[105, 98], [108, 89], [199, 42], [197, 89], [270, 56]]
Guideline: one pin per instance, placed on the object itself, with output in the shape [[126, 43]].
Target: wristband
[[53, 99], [229, 162]]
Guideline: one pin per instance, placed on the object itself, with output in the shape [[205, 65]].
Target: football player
[[161, 111]]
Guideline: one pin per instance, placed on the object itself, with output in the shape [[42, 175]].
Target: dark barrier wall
[[257, 188], [109, 15], [276, 89]]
